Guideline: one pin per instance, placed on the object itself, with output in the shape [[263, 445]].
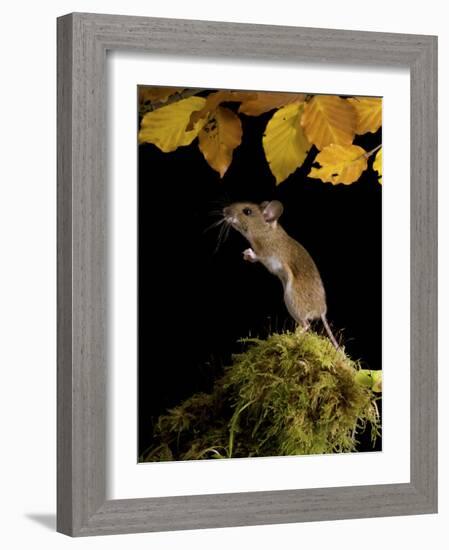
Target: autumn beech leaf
[[213, 101], [377, 164], [340, 164], [166, 127], [329, 119], [219, 137], [369, 113], [158, 94], [267, 101], [284, 142]]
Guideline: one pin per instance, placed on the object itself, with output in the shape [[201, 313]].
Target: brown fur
[[304, 293]]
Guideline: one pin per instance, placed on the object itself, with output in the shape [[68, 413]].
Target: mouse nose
[[227, 211]]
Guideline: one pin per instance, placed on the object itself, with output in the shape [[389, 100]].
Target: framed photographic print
[[247, 376], [246, 279]]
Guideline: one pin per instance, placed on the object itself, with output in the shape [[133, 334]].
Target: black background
[[195, 302]]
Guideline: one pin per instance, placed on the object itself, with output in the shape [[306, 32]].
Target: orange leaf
[[218, 138], [340, 164], [329, 119], [266, 101], [369, 113], [213, 101]]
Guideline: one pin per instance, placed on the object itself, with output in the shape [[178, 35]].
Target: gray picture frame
[[83, 41]]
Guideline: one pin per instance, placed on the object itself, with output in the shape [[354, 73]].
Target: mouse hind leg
[[294, 308]]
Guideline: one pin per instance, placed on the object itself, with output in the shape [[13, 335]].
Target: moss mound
[[290, 394]]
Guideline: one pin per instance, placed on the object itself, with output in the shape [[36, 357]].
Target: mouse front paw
[[249, 255]]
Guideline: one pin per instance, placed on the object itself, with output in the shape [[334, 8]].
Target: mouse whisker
[[227, 231], [222, 236], [213, 225]]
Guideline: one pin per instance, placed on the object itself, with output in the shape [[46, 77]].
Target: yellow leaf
[[340, 164], [266, 101], [377, 381], [156, 93], [329, 119], [213, 101], [219, 137], [369, 379], [377, 164], [284, 142], [369, 113], [166, 127]]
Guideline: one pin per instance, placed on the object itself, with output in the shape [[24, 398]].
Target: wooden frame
[[83, 40]]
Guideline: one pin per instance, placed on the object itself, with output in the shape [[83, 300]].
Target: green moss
[[290, 394]]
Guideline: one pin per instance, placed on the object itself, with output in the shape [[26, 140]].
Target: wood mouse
[[304, 293]]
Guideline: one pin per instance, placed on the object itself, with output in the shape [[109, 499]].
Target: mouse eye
[[247, 211]]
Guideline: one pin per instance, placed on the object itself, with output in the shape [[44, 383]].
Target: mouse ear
[[272, 211]]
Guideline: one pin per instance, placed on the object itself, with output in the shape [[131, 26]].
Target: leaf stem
[[369, 153]]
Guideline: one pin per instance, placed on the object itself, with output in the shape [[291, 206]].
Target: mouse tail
[[329, 332]]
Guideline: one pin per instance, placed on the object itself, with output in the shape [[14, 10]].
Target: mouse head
[[252, 219]]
